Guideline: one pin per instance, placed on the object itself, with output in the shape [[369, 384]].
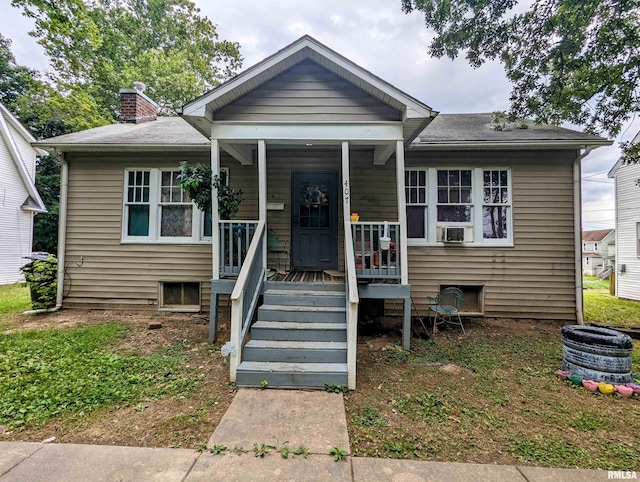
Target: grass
[[47, 373], [601, 307], [489, 397], [14, 298]]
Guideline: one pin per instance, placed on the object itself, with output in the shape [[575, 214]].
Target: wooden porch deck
[[324, 277]]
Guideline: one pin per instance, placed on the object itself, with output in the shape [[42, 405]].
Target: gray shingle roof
[[164, 132], [476, 129]]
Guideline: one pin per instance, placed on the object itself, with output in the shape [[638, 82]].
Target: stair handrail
[[353, 299], [244, 297]]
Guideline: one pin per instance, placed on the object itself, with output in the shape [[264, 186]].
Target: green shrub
[[42, 277]]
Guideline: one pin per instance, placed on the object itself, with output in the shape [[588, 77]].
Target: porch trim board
[[301, 132]]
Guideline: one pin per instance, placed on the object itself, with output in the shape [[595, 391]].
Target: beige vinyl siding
[[308, 92], [535, 277], [101, 271], [628, 217]]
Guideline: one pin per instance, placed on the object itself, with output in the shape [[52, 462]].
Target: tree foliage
[[105, 45], [568, 60], [199, 183]]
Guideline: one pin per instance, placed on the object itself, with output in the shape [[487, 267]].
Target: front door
[[314, 220]]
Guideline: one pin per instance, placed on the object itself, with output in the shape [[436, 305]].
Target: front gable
[[308, 92]]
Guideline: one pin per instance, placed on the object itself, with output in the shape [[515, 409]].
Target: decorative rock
[[635, 387], [575, 379], [563, 374], [590, 385], [606, 388], [624, 390], [155, 325]]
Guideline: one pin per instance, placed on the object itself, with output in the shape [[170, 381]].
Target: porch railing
[[371, 260], [235, 237], [351, 288], [244, 297]]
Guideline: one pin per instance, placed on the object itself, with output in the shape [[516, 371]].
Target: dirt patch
[[168, 422]]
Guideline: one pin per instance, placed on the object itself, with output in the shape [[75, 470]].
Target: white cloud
[[377, 36]]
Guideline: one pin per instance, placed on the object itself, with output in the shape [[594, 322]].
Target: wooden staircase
[[299, 339]]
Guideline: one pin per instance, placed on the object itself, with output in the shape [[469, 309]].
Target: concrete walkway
[[278, 418]]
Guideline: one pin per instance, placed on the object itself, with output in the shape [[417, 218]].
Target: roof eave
[[96, 147], [198, 107], [493, 145]]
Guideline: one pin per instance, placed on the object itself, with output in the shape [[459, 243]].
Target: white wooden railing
[[351, 288], [371, 260], [235, 237], [244, 297]]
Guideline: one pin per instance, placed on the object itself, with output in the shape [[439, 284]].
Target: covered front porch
[[364, 258], [310, 138]]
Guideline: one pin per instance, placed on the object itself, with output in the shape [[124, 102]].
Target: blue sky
[[379, 37]]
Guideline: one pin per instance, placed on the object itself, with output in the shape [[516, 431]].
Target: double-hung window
[[155, 209], [495, 204], [415, 181], [476, 200]]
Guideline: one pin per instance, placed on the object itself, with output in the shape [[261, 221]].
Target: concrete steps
[[299, 340]]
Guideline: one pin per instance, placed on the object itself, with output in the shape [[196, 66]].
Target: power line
[[597, 210], [597, 180]]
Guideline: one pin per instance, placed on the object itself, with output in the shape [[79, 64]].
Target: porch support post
[[402, 212], [215, 216], [346, 186], [404, 263], [262, 193], [215, 245]]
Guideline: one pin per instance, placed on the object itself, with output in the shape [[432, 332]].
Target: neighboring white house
[[597, 251], [627, 193], [19, 199]]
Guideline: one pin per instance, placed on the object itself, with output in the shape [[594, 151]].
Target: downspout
[[62, 236], [577, 209]]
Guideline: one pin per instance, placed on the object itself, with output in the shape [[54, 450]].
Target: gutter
[[62, 228], [577, 212], [62, 237], [542, 144], [94, 147]]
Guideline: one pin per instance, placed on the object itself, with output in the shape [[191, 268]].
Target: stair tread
[[331, 309], [300, 325], [272, 291], [309, 345], [302, 367]]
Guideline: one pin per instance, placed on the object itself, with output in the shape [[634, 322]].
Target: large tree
[[568, 60], [105, 45]]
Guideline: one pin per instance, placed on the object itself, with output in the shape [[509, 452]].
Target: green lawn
[[601, 307], [593, 283], [14, 298], [46, 373]]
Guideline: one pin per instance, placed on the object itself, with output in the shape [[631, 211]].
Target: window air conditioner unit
[[453, 235]]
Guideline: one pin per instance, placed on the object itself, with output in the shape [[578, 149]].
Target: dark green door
[[314, 220]]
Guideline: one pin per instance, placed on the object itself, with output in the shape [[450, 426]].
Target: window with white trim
[[415, 181], [475, 199], [496, 204], [155, 209]]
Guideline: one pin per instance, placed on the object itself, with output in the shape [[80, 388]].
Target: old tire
[[594, 335], [610, 364], [596, 375], [597, 349]]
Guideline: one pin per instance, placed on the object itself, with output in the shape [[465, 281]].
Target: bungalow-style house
[[598, 251], [345, 178], [627, 198], [19, 198]]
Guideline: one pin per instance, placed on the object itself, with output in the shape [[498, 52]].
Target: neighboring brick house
[[598, 251]]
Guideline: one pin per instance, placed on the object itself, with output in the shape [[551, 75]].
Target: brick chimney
[[135, 107]]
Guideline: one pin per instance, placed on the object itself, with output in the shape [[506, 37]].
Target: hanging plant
[[198, 182]]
